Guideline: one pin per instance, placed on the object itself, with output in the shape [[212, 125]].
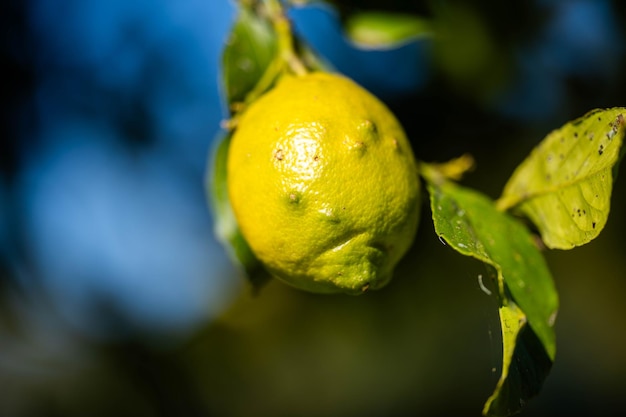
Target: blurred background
[[117, 300]]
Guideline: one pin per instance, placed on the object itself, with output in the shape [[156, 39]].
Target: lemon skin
[[324, 184]]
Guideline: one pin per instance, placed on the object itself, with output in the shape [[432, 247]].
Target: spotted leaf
[[564, 186]]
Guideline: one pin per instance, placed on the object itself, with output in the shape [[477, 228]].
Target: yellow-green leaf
[[564, 186], [512, 320], [525, 364]]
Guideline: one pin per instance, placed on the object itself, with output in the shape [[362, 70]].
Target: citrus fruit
[[324, 184]]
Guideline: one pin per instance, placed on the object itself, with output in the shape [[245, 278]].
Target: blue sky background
[[111, 192]]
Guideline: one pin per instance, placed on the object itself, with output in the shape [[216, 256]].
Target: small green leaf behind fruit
[[470, 223], [564, 186], [250, 50], [377, 30], [225, 225]]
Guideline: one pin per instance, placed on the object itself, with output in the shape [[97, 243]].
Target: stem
[[286, 48]]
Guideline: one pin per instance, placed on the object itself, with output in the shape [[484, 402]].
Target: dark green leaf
[[470, 223], [564, 186], [225, 224], [249, 51]]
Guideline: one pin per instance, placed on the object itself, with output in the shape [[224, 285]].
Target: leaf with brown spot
[[564, 186]]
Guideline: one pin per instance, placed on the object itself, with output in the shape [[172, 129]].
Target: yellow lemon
[[323, 184]]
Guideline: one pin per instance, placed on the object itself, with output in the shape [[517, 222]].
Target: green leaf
[[225, 224], [384, 29], [250, 49], [564, 186], [525, 364], [470, 223]]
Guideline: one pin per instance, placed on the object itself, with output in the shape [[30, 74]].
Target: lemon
[[324, 184]]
